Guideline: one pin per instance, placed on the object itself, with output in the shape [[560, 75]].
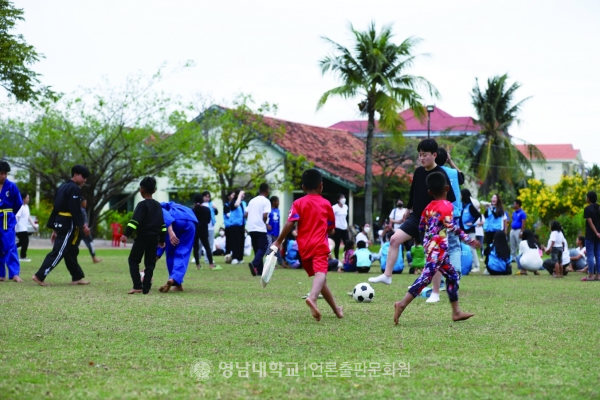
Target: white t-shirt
[[479, 228], [530, 258], [397, 214], [361, 236], [22, 218], [220, 242], [256, 208], [558, 238], [340, 213]]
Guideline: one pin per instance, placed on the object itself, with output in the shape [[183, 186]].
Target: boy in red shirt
[[315, 221], [436, 221]]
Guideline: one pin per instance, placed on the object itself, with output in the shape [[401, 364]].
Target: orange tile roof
[[553, 151], [336, 152]]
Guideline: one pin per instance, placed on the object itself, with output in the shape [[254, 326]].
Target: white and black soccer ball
[[363, 293]]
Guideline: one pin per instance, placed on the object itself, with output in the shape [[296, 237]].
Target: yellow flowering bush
[[564, 201]]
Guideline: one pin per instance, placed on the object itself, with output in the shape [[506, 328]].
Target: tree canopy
[[16, 56], [120, 136], [494, 159], [375, 72]]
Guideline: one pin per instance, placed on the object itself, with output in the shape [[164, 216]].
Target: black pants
[[144, 246], [338, 236], [23, 243], [235, 242], [507, 272], [66, 245], [260, 244], [202, 237]]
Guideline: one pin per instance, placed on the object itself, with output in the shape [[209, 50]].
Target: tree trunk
[[369, 169]]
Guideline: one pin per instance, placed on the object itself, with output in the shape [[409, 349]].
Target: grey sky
[[270, 49]]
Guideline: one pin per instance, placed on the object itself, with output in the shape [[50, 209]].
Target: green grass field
[[532, 336]]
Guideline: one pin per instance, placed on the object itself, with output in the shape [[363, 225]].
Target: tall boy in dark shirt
[[419, 199], [151, 231], [68, 225]]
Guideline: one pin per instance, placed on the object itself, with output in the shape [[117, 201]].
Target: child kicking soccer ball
[[315, 221], [436, 222]]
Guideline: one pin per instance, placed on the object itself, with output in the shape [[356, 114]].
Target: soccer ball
[[363, 293]]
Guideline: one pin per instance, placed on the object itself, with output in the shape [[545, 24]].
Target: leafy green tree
[[228, 151], [16, 56], [391, 154], [115, 135], [494, 159], [594, 172], [375, 71]]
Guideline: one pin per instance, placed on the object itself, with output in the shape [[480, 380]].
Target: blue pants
[[455, 251], [8, 253], [592, 249], [178, 257], [260, 245]]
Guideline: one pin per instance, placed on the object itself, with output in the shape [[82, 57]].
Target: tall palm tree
[[375, 72], [495, 160]]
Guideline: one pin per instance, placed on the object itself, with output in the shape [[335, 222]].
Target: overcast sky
[[270, 49]]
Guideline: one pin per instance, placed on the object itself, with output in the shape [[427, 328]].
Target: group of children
[[360, 260], [313, 219]]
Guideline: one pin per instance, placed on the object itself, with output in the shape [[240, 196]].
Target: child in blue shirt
[[273, 225], [362, 257], [499, 260]]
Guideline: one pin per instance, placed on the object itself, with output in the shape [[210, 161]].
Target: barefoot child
[[148, 221], [436, 221], [418, 200], [315, 221]]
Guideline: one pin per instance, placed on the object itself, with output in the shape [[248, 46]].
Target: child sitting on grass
[[436, 222], [499, 260], [362, 258], [349, 261], [418, 257], [315, 222]]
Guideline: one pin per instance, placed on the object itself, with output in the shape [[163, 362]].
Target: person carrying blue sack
[[181, 228]]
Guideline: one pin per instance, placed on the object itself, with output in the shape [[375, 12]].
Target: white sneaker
[[434, 298], [234, 261], [381, 279], [475, 270], [25, 259], [486, 272]]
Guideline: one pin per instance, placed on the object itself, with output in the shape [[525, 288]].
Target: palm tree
[[375, 72], [495, 160]]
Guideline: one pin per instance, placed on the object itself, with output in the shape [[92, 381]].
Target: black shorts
[[411, 226]]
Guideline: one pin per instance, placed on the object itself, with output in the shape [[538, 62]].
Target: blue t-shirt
[[517, 219], [274, 218]]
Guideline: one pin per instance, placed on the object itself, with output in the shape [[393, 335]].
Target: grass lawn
[[532, 336]]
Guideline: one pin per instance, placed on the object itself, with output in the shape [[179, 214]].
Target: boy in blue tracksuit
[[10, 204], [181, 228]]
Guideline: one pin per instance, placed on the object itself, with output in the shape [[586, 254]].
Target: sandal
[[587, 279]]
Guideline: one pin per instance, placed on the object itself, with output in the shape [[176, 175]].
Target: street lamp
[[430, 109]]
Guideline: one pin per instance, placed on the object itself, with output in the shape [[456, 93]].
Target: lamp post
[[430, 109]]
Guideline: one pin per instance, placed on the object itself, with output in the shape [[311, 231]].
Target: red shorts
[[315, 264]]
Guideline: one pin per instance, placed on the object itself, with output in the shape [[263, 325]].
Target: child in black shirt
[[151, 232]]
